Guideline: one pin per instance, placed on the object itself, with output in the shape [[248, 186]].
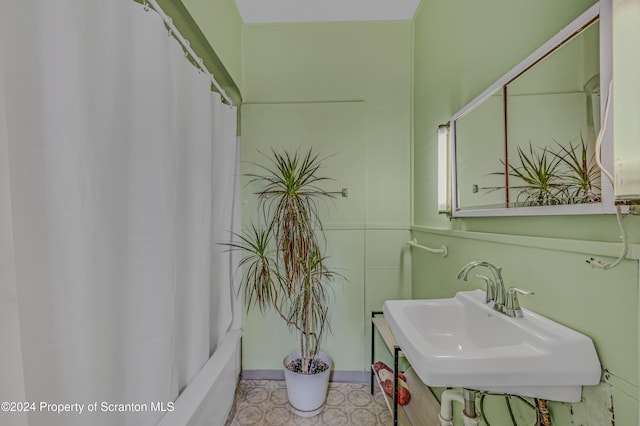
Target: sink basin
[[462, 342]]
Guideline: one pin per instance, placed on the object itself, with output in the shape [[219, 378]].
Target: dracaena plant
[[581, 173], [543, 176], [283, 265], [537, 172]]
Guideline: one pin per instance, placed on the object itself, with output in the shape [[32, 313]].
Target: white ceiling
[[262, 11]]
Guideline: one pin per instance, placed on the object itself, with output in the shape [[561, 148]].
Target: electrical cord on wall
[[598, 263]]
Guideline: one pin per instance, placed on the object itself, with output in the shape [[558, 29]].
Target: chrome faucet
[[500, 296], [490, 294], [512, 307]]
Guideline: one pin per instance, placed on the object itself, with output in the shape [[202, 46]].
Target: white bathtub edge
[[214, 385]]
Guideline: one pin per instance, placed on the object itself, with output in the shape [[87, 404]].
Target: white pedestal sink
[[462, 342]]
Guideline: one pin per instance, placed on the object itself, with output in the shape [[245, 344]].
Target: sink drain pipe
[[467, 398]]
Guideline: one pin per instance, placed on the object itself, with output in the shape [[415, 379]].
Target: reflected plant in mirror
[[539, 177], [547, 176], [582, 174]]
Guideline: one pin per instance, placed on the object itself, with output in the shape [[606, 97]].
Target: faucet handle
[[491, 288], [512, 307]]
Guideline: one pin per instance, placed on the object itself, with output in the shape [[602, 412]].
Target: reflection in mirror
[[483, 128], [528, 142], [550, 131]]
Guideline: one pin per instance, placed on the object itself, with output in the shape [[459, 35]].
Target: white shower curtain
[[116, 184]]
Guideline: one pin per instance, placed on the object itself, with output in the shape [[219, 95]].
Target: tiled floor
[[264, 402]]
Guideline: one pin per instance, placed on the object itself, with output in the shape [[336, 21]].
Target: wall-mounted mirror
[[526, 145]]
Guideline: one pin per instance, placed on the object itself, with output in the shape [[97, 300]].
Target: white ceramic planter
[[307, 392]]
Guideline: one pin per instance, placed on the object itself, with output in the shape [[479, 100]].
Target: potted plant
[[284, 269]]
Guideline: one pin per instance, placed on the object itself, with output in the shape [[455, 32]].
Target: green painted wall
[[344, 89], [460, 49]]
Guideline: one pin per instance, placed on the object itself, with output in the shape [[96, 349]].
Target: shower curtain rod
[[187, 46]]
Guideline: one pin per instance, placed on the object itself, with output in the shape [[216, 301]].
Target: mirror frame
[[603, 11]]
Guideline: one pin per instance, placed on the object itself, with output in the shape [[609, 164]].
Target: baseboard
[[262, 375], [340, 376]]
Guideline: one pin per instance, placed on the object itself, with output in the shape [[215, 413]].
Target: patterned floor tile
[[264, 402]]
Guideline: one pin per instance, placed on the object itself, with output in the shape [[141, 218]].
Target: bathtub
[[209, 397]]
